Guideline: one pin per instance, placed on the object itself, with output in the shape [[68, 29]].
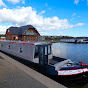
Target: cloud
[[71, 19], [79, 24], [23, 2], [14, 1], [3, 29], [27, 15], [42, 12], [76, 2], [1, 3], [61, 32]]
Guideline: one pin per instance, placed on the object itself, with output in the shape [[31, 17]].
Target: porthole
[[9, 46], [21, 50]]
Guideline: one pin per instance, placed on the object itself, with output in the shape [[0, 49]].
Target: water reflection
[[75, 52]]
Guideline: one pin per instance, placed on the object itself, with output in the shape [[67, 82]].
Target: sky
[[49, 17]]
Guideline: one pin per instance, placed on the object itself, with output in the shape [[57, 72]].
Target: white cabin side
[[37, 52], [18, 49]]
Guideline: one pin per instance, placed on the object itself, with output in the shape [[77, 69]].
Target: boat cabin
[[37, 52]]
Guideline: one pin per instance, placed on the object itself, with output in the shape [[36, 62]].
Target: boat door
[[43, 54]]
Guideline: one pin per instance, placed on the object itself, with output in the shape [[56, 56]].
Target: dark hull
[[50, 71], [79, 78]]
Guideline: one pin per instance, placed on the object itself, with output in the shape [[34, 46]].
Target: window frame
[[37, 56], [49, 50]]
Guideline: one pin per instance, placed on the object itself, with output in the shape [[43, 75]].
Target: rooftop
[[19, 30]]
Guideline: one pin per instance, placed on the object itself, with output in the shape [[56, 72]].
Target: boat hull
[[74, 79], [79, 75]]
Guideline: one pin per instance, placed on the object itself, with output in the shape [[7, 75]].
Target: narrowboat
[[40, 53]]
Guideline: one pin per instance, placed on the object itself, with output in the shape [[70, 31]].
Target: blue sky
[[50, 17]]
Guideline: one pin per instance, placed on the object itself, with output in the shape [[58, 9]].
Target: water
[[75, 52]]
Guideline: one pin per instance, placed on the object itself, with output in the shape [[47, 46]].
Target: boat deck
[[55, 60]]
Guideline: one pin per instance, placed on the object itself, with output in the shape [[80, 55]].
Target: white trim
[[72, 72]]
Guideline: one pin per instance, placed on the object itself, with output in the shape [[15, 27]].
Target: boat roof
[[26, 42]]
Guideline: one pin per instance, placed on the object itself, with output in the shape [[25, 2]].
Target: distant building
[[74, 40], [2, 38], [23, 33], [42, 38], [57, 37]]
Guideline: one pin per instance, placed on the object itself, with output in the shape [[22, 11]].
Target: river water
[[75, 52]]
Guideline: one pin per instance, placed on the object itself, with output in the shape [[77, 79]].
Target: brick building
[[23, 33]]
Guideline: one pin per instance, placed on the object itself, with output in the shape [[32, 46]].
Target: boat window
[[49, 49], [45, 50], [1, 45], [9, 46], [21, 50], [36, 52]]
